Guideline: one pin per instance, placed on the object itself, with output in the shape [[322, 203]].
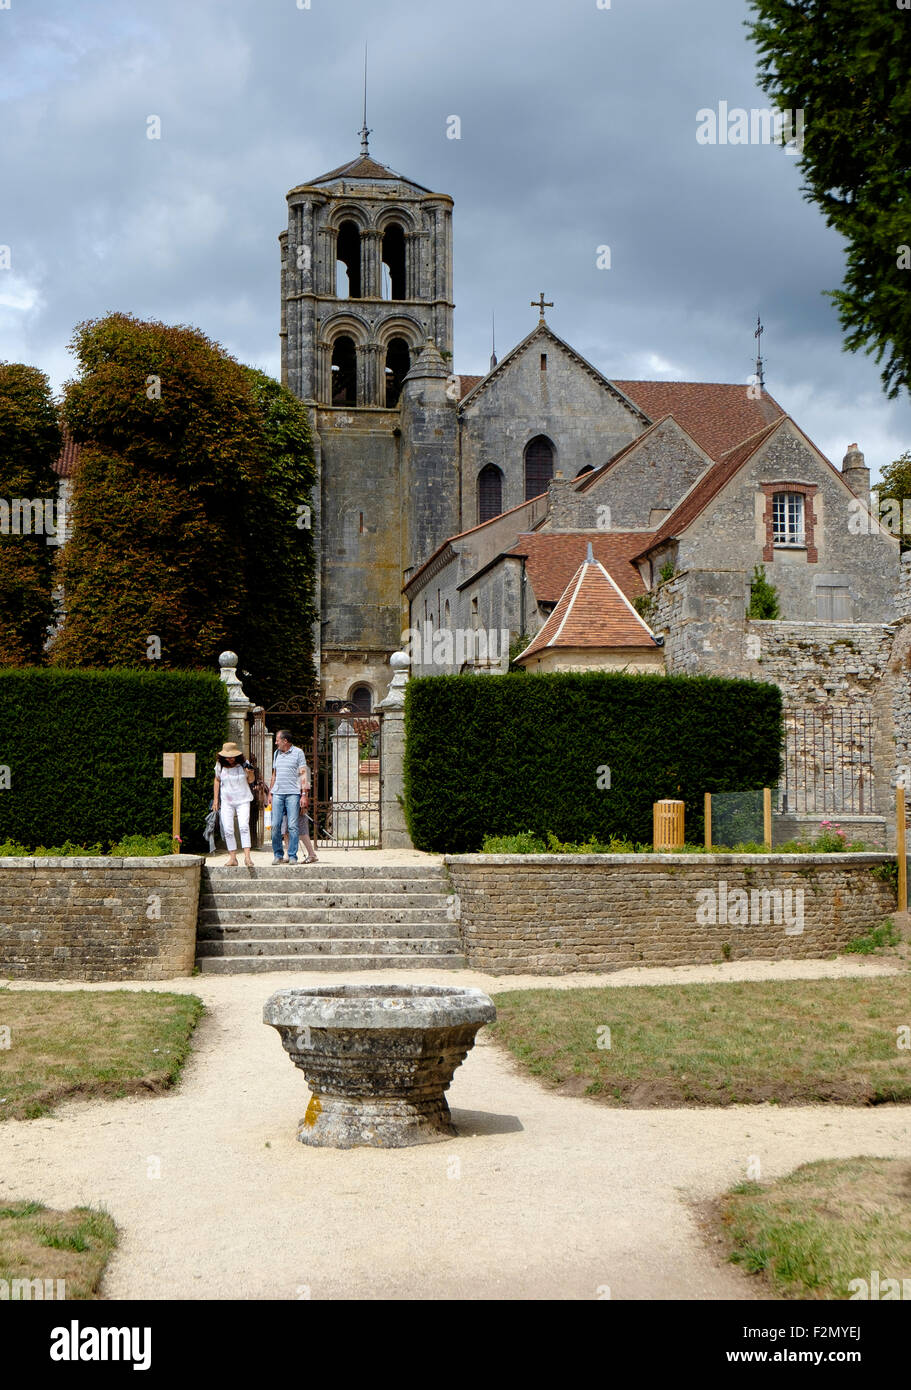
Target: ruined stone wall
[[550, 914], [98, 919]]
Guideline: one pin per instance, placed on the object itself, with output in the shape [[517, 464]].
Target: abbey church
[[597, 522]]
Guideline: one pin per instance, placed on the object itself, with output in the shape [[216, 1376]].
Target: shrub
[[763, 596], [523, 843], [876, 940], [84, 752], [503, 755], [142, 846]]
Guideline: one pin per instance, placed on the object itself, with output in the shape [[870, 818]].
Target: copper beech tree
[[184, 520]]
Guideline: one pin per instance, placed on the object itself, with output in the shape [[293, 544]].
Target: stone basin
[[378, 1058]]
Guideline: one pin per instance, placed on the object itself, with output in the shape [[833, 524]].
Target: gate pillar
[[239, 707], [392, 757]]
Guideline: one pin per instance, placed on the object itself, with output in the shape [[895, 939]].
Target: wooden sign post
[[707, 803], [178, 766], [767, 817]]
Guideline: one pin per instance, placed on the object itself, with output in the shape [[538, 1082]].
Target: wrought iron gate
[[828, 762], [342, 748]]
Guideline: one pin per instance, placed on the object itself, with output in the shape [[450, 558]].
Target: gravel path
[[540, 1196]]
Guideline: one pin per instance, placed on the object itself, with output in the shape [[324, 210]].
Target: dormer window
[[788, 519]]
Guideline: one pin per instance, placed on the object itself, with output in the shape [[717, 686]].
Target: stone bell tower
[[366, 280]]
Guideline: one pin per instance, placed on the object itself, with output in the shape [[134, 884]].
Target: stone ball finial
[[228, 659], [400, 661]]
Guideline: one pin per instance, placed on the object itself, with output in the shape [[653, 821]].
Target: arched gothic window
[[348, 262], [393, 256], [490, 492], [539, 465], [361, 699], [343, 389], [398, 365]]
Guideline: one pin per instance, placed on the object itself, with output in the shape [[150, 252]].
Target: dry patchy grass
[[64, 1044], [69, 1246], [814, 1231], [789, 1042]]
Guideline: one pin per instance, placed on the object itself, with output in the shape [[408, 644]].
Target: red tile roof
[[468, 384], [555, 556], [718, 416], [68, 461], [709, 485], [592, 612]]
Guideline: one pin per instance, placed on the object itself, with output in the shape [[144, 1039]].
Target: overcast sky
[[578, 130]]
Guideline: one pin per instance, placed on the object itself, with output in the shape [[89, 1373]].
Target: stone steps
[[306, 916], [230, 902], [325, 929], [321, 946], [243, 965], [326, 917]]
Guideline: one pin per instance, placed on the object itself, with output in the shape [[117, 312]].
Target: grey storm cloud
[[577, 130]]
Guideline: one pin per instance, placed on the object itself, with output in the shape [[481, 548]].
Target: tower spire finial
[[364, 131], [760, 377], [493, 340]]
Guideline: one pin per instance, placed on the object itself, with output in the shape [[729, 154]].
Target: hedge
[[498, 755], [81, 752]]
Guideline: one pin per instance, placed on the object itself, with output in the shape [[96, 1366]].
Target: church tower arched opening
[[398, 365], [394, 268], [348, 261], [344, 372]]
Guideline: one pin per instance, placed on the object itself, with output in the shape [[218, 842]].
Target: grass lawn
[[73, 1246], [56, 1045], [790, 1042], [813, 1232]]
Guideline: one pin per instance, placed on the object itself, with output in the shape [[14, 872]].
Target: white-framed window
[[788, 518]]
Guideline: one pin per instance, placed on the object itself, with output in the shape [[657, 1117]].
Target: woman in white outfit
[[233, 796]]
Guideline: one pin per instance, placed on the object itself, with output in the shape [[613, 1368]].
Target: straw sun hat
[[230, 750]]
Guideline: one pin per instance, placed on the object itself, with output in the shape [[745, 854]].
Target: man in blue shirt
[[290, 792]]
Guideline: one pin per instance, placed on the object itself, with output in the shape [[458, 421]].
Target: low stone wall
[[98, 919], [872, 831], [552, 913]]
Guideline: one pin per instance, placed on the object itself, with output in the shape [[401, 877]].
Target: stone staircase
[[326, 917]]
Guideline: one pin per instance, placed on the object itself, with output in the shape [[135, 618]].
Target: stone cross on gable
[[541, 304]]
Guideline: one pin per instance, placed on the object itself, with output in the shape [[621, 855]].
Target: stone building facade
[[453, 512]]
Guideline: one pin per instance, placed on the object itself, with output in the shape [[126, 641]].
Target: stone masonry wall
[[550, 914], [98, 918]]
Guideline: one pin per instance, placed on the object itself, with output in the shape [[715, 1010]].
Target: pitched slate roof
[[592, 612], [553, 557], [709, 485], [717, 415]]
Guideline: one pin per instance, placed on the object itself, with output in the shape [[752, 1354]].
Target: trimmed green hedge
[[83, 749], [499, 755]]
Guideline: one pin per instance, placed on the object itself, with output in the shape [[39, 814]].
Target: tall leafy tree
[[176, 510], [276, 628], [29, 445], [894, 491], [847, 65]]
